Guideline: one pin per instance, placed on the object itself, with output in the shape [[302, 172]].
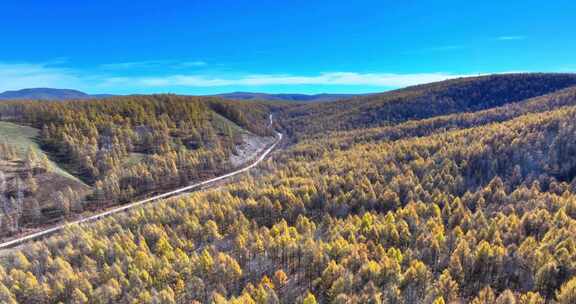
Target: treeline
[[420, 102], [480, 215], [129, 146]]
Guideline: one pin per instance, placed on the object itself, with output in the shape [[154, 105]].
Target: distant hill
[[48, 94], [285, 97], [67, 94], [423, 101]]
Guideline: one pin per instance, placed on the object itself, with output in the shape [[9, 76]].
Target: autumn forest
[[460, 191]]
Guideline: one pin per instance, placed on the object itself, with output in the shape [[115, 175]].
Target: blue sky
[[206, 47]]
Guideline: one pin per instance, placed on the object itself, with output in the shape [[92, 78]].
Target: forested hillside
[[32, 188], [418, 102], [443, 123], [122, 147], [473, 203]]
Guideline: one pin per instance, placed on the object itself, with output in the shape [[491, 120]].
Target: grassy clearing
[[24, 138]]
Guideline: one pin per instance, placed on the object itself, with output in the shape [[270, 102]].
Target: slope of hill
[[25, 139], [285, 97], [438, 124], [48, 94], [122, 147], [28, 175], [418, 102]]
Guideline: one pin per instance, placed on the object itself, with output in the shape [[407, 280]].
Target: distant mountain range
[[67, 94], [285, 97], [48, 94]]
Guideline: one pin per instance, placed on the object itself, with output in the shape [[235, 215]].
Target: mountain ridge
[[295, 97], [48, 94], [68, 94]]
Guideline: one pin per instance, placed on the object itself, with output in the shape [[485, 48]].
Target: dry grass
[[49, 183], [24, 138]]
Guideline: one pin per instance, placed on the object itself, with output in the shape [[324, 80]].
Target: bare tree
[[11, 202], [3, 203]]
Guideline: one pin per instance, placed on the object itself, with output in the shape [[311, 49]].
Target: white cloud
[[15, 76], [509, 38], [334, 78], [196, 63], [152, 64], [127, 65], [568, 68], [444, 48]]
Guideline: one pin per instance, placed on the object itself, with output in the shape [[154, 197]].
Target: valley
[[74, 187], [287, 152]]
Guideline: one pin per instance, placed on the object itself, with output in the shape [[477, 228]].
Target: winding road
[[49, 231]]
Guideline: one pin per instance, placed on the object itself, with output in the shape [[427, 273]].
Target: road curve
[[48, 231]]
